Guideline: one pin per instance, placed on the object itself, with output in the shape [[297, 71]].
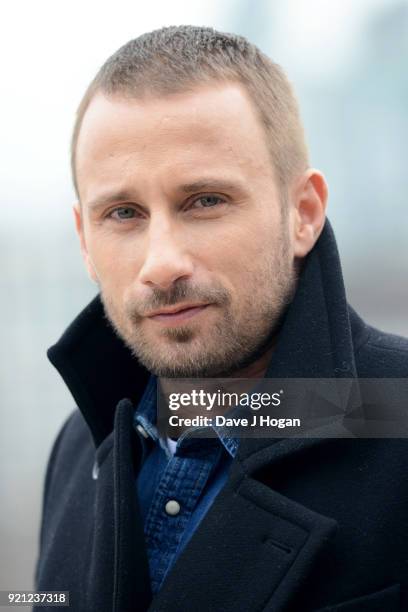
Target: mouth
[[179, 315]]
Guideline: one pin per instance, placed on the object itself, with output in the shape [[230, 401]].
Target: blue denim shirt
[[192, 477]]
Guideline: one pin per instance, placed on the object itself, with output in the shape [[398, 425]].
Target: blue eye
[[123, 213], [209, 201]]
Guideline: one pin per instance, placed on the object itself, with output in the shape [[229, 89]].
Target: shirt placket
[[183, 481]]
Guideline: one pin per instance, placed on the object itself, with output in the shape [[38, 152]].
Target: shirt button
[[172, 507], [142, 430]]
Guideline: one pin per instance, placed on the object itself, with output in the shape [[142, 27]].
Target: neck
[[255, 370]]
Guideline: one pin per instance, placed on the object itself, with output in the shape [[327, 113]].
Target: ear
[[81, 235], [310, 201]]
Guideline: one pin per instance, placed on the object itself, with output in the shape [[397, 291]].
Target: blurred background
[[348, 62]]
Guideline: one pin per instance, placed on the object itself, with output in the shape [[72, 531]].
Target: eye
[[122, 213], [207, 201]]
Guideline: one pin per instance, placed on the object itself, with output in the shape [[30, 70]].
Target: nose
[[166, 259]]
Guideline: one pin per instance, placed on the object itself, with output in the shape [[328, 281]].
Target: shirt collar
[[145, 422]]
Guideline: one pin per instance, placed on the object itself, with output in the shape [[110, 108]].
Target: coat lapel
[[131, 574], [252, 551], [118, 574]]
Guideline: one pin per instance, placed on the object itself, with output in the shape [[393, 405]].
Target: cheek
[[116, 261], [244, 248], [237, 259]]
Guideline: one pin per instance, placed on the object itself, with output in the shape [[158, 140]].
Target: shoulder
[[72, 447], [378, 353], [74, 435]]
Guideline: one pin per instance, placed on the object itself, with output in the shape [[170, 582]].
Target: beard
[[239, 336]]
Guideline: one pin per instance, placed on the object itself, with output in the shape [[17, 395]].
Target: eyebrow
[[207, 184], [109, 198], [201, 185]]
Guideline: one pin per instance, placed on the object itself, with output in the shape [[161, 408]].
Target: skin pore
[[179, 204]]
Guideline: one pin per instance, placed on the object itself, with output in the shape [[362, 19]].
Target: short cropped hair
[[179, 58]]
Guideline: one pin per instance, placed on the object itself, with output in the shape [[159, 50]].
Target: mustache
[[181, 291]]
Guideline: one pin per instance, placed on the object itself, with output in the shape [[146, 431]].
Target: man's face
[[179, 206]]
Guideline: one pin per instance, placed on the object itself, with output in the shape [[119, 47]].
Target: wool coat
[[312, 524]]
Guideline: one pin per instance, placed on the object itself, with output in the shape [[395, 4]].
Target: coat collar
[[314, 341]]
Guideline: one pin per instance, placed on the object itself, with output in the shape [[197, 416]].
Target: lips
[[179, 315]]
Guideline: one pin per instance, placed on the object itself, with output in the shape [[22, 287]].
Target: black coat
[[301, 524]]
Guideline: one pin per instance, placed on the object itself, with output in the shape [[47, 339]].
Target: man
[[203, 225]]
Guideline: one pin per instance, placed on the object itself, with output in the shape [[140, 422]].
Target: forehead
[[212, 128]]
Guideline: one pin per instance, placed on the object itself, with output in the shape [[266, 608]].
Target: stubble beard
[[235, 341]]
